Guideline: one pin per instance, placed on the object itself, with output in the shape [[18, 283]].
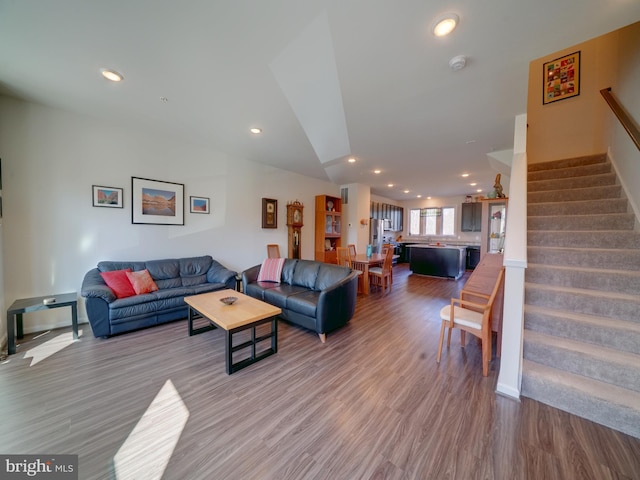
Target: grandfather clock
[[294, 223]]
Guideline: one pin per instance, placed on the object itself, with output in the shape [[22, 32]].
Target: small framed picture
[[110, 197], [269, 213], [199, 204]]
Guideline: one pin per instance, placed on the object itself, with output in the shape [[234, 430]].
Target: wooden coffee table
[[246, 313]]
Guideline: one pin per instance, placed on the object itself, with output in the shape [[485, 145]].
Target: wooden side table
[[25, 305]]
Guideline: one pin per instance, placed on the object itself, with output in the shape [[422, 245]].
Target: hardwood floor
[[371, 403]]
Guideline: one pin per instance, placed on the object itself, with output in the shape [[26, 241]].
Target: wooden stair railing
[[626, 121]]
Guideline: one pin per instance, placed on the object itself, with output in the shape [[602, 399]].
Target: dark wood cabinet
[[471, 218], [385, 211]]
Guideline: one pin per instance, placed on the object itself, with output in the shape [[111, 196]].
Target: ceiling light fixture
[[445, 24], [406, 191], [419, 196], [377, 171], [352, 160], [255, 130], [464, 175], [111, 75], [390, 185], [473, 184]]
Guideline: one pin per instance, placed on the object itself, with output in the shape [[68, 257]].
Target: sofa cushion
[[305, 303], [193, 270], [288, 269], [271, 270], [329, 275], [277, 296], [256, 290], [118, 281], [108, 266], [166, 273], [142, 282], [305, 273]]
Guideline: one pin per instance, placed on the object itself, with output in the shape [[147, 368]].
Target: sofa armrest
[[250, 276], [93, 286], [337, 304], [218, 273]]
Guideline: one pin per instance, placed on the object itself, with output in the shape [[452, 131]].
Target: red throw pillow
[[271, 270], [117, 281], [142, 282]]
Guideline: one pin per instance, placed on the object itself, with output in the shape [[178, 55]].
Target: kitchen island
[[448, 261]]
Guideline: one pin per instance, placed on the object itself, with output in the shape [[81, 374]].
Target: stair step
[[593, 361], [621, 281], [568, 162], [621, 306], [609, 332], [622, 259], [611, 221], [585, 181], [600, 402], [576, 194], [584, 207], [568, 172], [595, 239]]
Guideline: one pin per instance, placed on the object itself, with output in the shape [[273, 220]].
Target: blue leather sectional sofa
[[175, 278], [314, 295]]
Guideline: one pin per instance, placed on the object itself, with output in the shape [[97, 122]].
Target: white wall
[[52, 235]]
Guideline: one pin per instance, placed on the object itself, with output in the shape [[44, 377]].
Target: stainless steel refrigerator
[[375, 235]]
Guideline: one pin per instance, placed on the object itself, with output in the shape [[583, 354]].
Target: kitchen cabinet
[[471, 218], [385, 211], [328, 228]]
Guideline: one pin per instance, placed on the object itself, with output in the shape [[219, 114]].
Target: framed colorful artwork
[[107, 196], [157, 203], [561, 78], [269, 213], [199, 204]]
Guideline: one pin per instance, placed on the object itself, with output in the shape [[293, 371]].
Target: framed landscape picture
[[199, 204], [561, 78], [156, 202], [107, 196]]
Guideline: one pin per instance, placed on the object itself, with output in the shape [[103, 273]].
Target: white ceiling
[[324, 79]]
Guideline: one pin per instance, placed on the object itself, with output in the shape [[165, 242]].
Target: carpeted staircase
[[582, 293]]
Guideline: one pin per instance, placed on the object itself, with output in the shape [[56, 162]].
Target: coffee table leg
[[228, 349]]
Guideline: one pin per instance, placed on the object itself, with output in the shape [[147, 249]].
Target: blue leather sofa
[[314, 295], [175, 278]]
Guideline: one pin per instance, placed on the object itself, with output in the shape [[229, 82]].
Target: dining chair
[[352, 249], [344, 259], [381, 276], [472, 317], [273, 251]]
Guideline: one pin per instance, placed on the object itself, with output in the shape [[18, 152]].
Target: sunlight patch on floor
[[48, 348], [148, 448]]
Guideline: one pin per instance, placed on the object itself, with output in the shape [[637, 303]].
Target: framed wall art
[[561, 78], [107, 196], [199, 204], [269, 213], [156, 202]]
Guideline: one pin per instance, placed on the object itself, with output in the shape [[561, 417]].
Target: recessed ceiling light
[[445, 24], [479, 190], [419, 196], [465, 175], [352, 160], [111, 75], [406, 191], [428, 198], [255, 130], [390, 185], [473, 184], [377, 171]]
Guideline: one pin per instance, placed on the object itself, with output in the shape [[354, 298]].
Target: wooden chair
[[381, 276], [472, 317], [273, 251], [344, 259], [352, 250]]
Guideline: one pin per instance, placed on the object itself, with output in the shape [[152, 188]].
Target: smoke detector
[[458, 63]]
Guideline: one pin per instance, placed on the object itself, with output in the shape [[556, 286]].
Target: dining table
[[362, 262]]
